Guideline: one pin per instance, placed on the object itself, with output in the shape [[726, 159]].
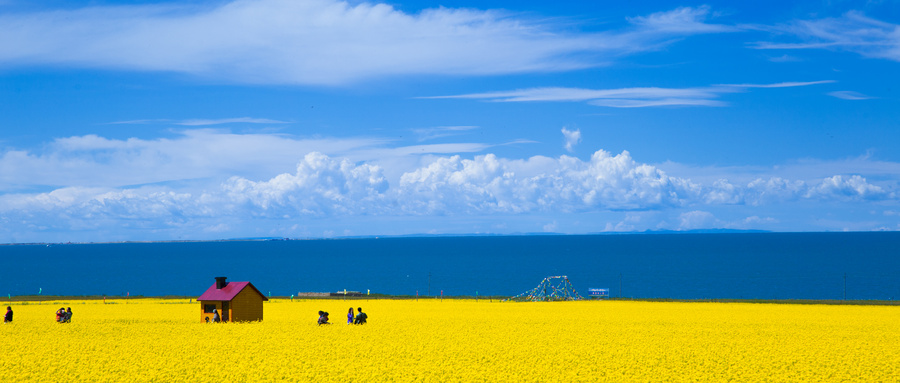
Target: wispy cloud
[[853, 32], [784, 59], [426, 134], [323, 41], [581, 94], [789, 84], [97, 161], [849, 95], [682, 20], [242, 120], [628, 97], [140, 122], [202, 121]]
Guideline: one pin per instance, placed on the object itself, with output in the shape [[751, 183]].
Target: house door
[[226, 311]]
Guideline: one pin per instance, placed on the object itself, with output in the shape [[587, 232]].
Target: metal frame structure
[[556, 288]]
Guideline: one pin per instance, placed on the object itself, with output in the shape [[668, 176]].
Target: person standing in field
[[68, 315], [361, 317], [60, 314], [8, 317], [216, 316], [350, 316]]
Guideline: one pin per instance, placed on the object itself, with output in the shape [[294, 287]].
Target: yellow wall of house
[[247, 306]]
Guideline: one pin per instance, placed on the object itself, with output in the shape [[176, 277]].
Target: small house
[[235, 302]]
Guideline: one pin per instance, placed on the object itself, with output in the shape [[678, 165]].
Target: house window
[[209, 308]]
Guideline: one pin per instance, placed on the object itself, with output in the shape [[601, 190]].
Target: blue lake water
[[683, 266]]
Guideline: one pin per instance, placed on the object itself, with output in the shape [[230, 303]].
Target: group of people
[[358, 319], [64, 315]]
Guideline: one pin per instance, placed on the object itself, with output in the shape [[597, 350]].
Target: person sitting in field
[[361, 317], [60, 314], [67, 317], [323, 318], [8, 317]]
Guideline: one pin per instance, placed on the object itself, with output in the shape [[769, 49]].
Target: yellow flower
[[455, 341]]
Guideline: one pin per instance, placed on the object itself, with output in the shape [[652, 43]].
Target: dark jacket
[[8, 317]]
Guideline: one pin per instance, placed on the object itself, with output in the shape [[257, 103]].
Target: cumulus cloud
[[853, 187], [487, 184], [628, 97], [762, 191], [336, 187], [853, 32], [321, 186], [324, 42], [572, 138]]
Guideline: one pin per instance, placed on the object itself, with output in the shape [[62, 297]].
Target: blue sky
[[136, 120]]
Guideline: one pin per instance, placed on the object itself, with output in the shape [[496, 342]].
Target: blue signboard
[[599, 293]]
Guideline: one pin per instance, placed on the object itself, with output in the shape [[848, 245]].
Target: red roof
[[228, 292]]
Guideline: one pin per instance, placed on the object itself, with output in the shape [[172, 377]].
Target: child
[[323, 318]]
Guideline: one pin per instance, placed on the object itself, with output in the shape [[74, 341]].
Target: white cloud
[[784, 59], [852, 32], [432, 187], [572, 138], [627, 97], [697, 219], [807, 171], [681, 20], [580, 94], [774, 190], [849, 95], [551, 227], [321, 186], [487, 184], [204, 122], [426, 134], [752, 220], [787, 84], [321, 41], [632, 221], [193, 154], [244, 120], [854, 187]]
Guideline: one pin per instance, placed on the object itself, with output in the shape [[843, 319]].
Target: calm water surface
[[685, 266]]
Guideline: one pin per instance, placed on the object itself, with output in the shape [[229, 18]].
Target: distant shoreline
[[400, 236], [56, 298]]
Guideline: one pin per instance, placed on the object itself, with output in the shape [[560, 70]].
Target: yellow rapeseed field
[[455, 340]]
